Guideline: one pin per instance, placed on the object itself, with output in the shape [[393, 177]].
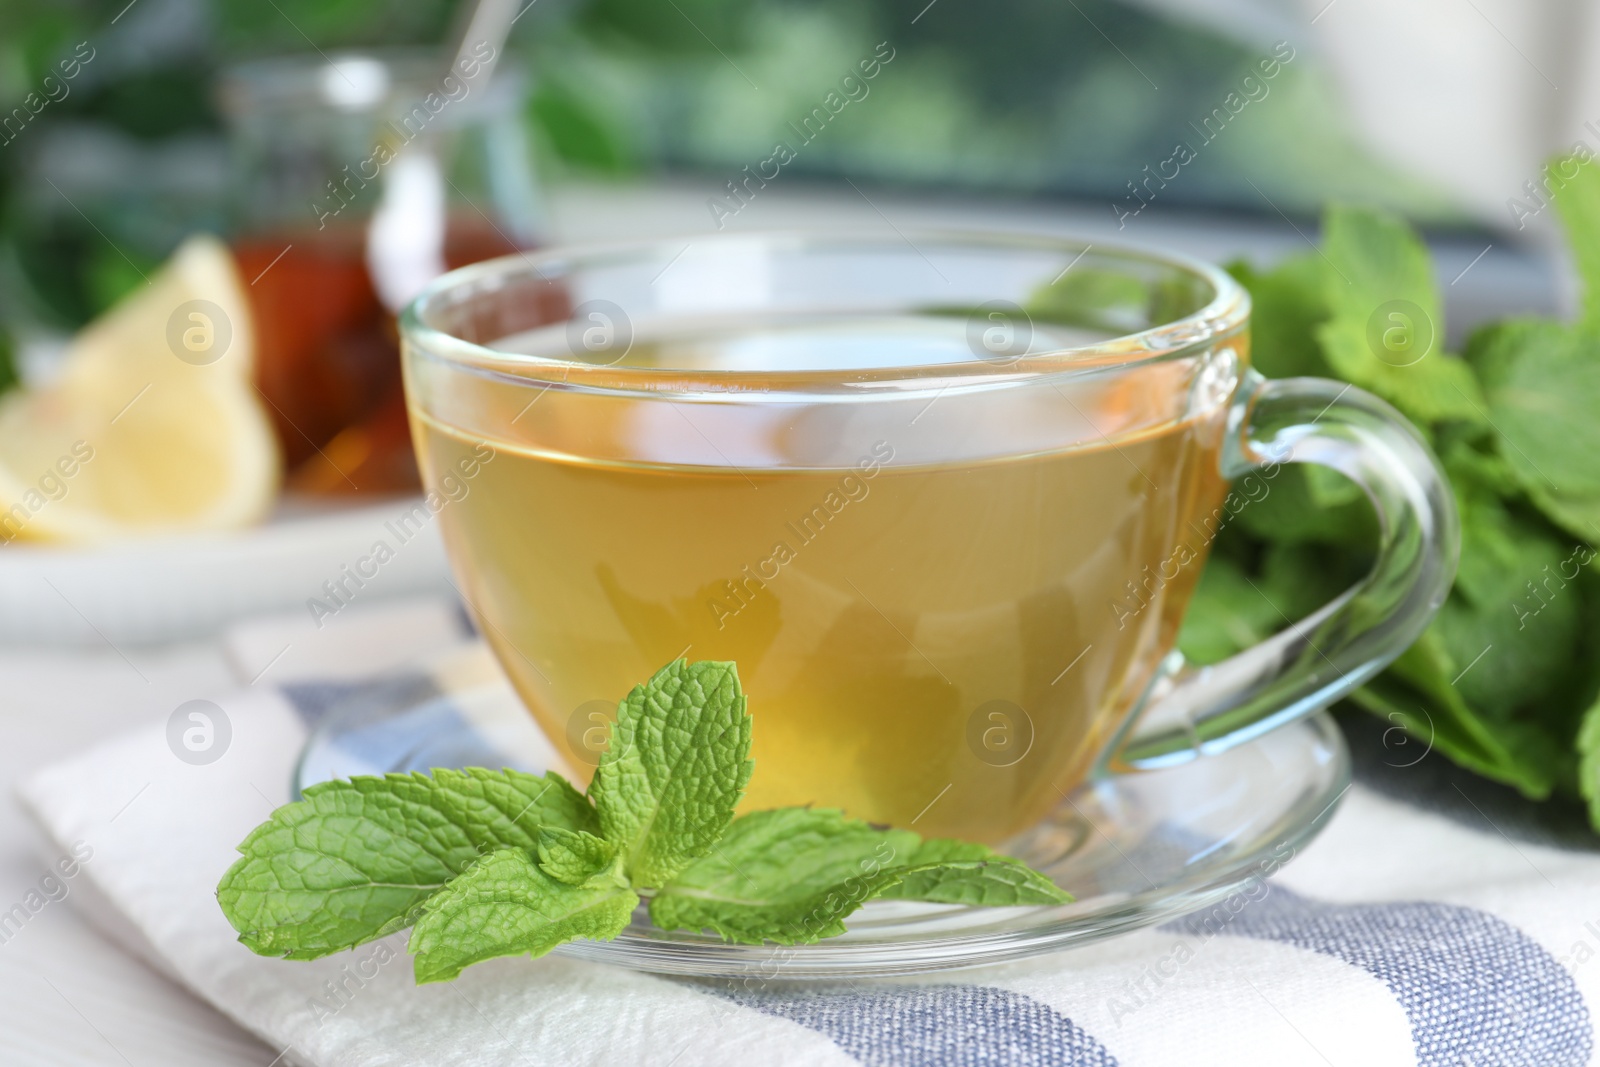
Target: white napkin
[[1400, 936]]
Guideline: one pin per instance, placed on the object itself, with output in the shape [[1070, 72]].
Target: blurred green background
[[1017, 100]]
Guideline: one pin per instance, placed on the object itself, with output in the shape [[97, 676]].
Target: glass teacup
[[943, 499]]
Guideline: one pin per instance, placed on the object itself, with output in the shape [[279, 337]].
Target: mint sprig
[[1506, 680], [485, 864], [678, 762]]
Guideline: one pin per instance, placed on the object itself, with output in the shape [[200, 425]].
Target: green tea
[[945, 644]]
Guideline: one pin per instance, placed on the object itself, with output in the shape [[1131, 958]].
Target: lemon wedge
[[153, 426]]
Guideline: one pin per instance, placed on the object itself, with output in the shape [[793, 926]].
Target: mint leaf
[[1093, 296], [1372, 261], [10, 377], [1112, 299], [676, 767], [1226, 614], [1232, 609], [1513, 614], [1490, 567], [510, 806], [1588, 746], [354, 859], [1303, 504], [1472, 460], [789, 875], [573, 857], [942, 871], [1415, 693], [1542, 386], [793, 875], [1287, 306], [1578, 515], [504, 905], [1577, 199]]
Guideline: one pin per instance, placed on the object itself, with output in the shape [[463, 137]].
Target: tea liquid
[[941, 645], [328, 355]]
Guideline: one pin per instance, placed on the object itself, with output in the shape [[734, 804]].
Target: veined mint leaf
[[354, 859], [676, 767], [508, 806], [504, 905], [789, 875], [573, 857], [1379, 284], [942, 871], [793, 875]]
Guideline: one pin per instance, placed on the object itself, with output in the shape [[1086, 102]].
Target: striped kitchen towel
[[1437, 920]]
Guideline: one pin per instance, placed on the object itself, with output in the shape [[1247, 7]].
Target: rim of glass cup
[[1225, 314]]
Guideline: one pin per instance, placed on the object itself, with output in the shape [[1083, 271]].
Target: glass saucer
[[1134, 849]]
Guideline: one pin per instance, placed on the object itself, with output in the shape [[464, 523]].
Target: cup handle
[[1200, 711]]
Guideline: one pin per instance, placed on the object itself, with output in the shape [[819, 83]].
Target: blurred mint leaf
[[1542, 386], [10, 377], [1471, 456], [1287, 307], [354, 859], [1092, 296], [1226, 615], [1304, 504], [578, 134], [1299, 578], [1578, 515], [1512, 653], [289, 25], [1235, 607], [1576, 186], [1491, 565], [1492, 679], [695, 27], [1415, 693], [1385, 330], [504, 905], [1588, 746], [676, 767]]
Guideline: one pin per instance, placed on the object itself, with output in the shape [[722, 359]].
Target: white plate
[[178, 588]]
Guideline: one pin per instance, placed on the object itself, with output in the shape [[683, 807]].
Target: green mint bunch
[[1506, 681], [485, 863]]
